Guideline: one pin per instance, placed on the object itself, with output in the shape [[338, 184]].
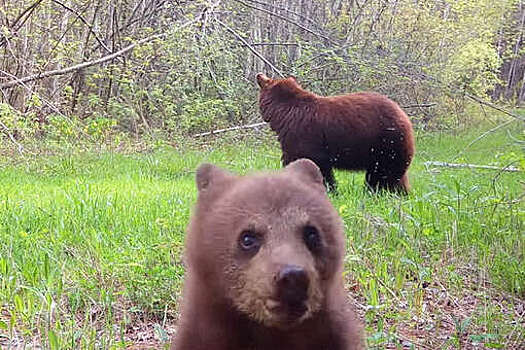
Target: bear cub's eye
[[249, 241], [311, 238]]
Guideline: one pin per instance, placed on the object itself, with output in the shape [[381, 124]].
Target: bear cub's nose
[[292, 285]]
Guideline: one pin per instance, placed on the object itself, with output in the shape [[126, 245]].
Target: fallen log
[[471, 166], [218, 131]]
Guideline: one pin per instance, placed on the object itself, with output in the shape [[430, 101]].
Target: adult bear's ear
[[209, 174], [307, 170], [262, 80]]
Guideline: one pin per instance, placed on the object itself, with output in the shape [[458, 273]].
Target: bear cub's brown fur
[[265, 265]]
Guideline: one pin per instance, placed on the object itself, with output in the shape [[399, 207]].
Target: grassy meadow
[[91, 244]]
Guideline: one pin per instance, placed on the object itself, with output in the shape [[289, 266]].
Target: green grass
[[91, 245]]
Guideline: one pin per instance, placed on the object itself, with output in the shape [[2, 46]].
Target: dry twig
[[471, 166], [90, 63], [493, 106], [255, 52], [482, 136], [287, 20], [8, 133], [249, 126]]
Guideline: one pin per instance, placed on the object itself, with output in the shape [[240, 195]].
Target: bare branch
[[493, 106], [219, 131], [250, 47], [8, 133], [423, 105], [275, 44], [521, 142], [32, 91], [482, 136], [287, 20], [20, 16], [81, 65], [89, 63], [286, 10], [472, 166], [79, 16]]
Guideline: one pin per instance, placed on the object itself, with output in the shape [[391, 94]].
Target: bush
[[18, 125]]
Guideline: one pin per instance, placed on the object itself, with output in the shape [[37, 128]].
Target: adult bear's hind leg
[[403, 185], [377, 181], [397, 184], [387, 175], [388, 168]]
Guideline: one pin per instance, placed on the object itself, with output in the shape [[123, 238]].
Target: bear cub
[[359, 131], [264, 260]]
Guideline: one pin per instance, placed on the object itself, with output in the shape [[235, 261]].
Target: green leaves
[[475, 66]]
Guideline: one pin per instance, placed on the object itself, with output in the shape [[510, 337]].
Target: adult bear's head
[[278, 96]]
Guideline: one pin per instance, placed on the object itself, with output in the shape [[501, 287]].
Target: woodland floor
[[91, 244]]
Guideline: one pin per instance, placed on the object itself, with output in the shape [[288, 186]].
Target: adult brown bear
[[265, 265], [359, 131]]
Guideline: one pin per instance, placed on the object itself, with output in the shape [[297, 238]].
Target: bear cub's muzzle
[[292, 283]]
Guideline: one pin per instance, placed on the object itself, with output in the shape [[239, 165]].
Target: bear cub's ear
[[207, 174], [307, 170]]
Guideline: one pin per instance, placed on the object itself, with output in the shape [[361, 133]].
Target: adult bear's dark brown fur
[[360, 131], [265, 263]]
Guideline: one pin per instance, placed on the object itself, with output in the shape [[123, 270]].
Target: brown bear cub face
[[264, 256], [358, 131]]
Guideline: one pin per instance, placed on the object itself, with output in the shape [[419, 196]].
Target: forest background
[[100, 105], [119, 69]]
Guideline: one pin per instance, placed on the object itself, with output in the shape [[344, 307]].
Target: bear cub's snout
[[292, 289]]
